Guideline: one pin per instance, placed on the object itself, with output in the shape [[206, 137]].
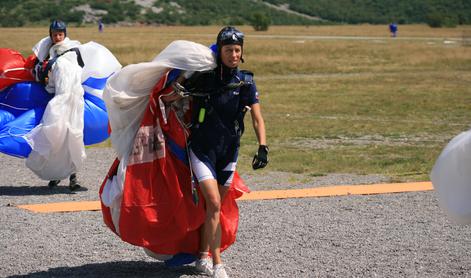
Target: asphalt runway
[[384, 235]]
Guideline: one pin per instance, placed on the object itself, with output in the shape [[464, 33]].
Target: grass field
[[361, 102]]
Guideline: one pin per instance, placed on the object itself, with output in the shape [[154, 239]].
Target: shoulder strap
[[79, 56], [247, 77], [47, 65], [75, 49]]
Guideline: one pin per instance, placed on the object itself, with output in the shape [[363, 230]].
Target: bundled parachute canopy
[[14, 68], [147, 197], [23, 102], [451, 178]]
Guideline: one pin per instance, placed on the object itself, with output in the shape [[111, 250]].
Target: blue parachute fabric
[[96, 83], [95, 128], [96, 100], [22, 106], [23, 103], [180, 259], [21, 97], [176, 150], [5, 117], [172, 75], [214, 48], [11, 134]]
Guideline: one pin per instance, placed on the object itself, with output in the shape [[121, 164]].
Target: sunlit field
[[336, 99]]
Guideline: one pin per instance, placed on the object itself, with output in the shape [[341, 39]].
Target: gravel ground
[[389, 235]]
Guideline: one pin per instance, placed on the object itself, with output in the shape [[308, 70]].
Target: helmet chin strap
[[225, 72]]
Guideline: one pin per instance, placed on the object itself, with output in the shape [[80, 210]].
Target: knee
[[213, 205]]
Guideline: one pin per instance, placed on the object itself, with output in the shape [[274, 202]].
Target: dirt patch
[[273, 180], [373, 140]]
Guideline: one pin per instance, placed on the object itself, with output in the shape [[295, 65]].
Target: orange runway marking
[[263, 195], [63, 206], [338, 191]]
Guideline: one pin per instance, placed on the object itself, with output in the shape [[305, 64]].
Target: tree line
[[434, 12], [199, 12]]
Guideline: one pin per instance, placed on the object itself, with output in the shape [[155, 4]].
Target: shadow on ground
[[115, 269], [36, 190]]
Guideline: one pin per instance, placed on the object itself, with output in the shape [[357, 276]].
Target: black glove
[[260, 160]]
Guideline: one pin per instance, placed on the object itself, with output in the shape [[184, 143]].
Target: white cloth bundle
[[57, 142], [127, 92]]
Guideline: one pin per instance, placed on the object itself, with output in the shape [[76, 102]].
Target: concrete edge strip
[[338, 191], [260, 195]]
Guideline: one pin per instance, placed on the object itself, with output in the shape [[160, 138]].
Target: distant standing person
[[393, 29], [100, 26]]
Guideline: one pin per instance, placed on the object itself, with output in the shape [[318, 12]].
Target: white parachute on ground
[[57, 143], [451, 178]]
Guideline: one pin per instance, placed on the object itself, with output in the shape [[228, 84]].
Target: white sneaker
[[219, 271], [205, 265]]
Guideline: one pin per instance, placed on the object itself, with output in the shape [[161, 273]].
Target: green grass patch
[[378, 106]]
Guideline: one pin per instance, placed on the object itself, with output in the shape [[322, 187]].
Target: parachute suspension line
[[194, 191], [3, 74], [18, 108], [150, 107], [10, 134], [162, 105]]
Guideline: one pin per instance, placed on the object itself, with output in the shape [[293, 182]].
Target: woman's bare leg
[[211, 229]]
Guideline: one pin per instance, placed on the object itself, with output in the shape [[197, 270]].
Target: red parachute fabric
[[157, 209], [14, 67]]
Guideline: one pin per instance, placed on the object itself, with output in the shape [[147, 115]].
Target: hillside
[[199, 12], [176, 12], [383, 11]]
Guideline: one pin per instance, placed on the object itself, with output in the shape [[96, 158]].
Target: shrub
[[437, 20], [260, 22]]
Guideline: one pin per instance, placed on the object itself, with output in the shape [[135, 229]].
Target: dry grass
[[345, 104]]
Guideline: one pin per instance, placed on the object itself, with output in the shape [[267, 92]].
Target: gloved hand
[[260, 160], [180, 90]]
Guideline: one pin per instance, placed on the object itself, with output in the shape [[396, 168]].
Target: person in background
[[393, 29], [100, 26]]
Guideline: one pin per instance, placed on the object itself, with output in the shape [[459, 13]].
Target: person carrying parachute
[[156, 158], [51, 136], [221, 97], [60, 71]]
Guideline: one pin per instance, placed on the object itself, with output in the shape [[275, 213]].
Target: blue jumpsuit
[[215, 142]]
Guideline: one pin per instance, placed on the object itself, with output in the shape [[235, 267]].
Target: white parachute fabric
[[57, 142], [100, 64], [112, 194], [41, 49], [127, 92], [45, 48], [451, 178]]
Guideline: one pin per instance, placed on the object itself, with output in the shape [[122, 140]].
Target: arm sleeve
[[253, 95]]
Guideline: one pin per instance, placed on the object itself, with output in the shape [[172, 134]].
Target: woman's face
[[230, 55], [57, 36]]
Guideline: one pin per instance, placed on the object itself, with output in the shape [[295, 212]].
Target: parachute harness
[[46, 66]]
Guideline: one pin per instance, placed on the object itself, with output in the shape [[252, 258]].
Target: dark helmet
[[229, 35], [57, 25]]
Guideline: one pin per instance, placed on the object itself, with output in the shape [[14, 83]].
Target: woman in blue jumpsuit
[[215, 138]]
